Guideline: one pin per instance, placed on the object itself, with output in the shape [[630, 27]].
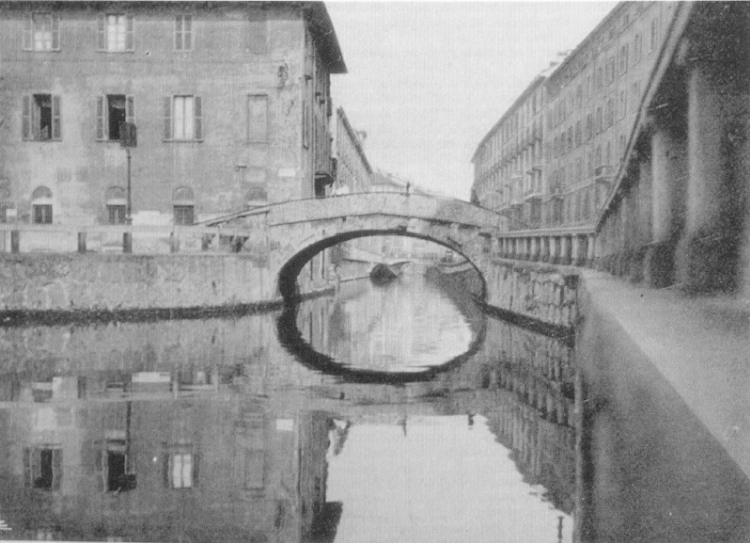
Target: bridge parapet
[[393, 204]]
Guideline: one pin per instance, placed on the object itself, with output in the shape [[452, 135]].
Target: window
[[41, 32], [589, 126], [41, 117], [610, 70], [183, 214], [257, 118], [43, 467], [624, 59], [623, 103], [116, 213], [610, 112], [599, 121], [635, 92], [599, 78], [42, 213], [637, 49], [181, 470], [183, 33], [115, 33], [111, 111], [654, 35], [578, 135], [183, 118]]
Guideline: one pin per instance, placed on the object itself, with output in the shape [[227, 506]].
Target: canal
[[381, 414]]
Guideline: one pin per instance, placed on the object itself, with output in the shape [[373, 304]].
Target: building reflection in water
[[210, 429]]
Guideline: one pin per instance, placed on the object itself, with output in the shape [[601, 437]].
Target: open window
[[111, 111], [43, 467], [41, 117]]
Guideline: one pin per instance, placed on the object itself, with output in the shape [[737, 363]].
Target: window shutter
[[198, 111], [196, 468], [129, 33], [56, 118], [27, 471], [167, 117], [57, 469], [178, 22], [27, 33], [130, 109], [100, 117], [187, 29], [55, 32], [166, 471], [101, 32], [26, 122]]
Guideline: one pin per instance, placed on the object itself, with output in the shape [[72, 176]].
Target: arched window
[[183, 202], [116, 205], [41, 205]]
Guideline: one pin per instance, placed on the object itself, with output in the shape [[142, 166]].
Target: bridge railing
[[397, 204], [139, 239]]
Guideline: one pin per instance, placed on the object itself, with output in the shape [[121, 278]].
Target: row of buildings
[[230, 102], [550, 159]]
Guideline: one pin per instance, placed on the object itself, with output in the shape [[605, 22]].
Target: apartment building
[[586, 111], [228, 105], [508, 161]]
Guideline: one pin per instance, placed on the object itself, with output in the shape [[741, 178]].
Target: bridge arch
[[290, 270]]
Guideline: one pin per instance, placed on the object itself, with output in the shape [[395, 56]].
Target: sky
[[426, 81]]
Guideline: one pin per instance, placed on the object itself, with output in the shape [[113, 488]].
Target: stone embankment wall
[[51, 284], [538, 291]]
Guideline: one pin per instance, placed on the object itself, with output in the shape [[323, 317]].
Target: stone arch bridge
[[298, 230]]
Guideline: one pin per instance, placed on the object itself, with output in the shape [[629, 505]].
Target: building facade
[[587, 105], [508, 162], [230, 103], [353, 170]]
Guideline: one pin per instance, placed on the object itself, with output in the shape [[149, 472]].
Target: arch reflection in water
[[406, 331]]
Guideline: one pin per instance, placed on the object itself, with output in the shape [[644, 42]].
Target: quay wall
[[108, 283]]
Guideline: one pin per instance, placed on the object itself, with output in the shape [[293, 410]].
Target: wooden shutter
[[257, 36], [129, 33], [28, 33], [100, 117], [57, 468], [101, 32], [167, 118], [167, 476], [178, 41], [187, 29], [55, 32], [56, 118], [28, 475], [196, 468], [198, 112], [130, 109], [27, 118]]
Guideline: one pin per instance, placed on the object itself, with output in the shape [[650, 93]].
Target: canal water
[[381, 414]]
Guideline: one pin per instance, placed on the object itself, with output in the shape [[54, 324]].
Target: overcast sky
[[427, 80]]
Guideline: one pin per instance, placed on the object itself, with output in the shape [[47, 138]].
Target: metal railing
[[52, 238]]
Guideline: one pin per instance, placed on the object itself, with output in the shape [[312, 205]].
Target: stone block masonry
[[49, 285]]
